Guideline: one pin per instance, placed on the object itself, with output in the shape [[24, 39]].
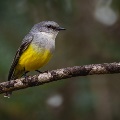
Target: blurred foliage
[[87, 40]]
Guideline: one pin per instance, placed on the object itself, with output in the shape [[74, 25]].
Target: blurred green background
[[92, 36]]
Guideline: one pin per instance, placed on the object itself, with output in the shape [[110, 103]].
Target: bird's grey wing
[[25, 43]]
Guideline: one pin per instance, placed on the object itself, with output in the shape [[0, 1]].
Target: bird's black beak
[[60, 28]]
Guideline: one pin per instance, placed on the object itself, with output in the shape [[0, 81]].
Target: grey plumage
[[41, 37]]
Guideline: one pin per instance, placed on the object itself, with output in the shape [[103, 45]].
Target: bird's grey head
[[47, 27]]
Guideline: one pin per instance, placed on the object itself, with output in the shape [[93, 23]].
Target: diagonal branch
[[59, 74]]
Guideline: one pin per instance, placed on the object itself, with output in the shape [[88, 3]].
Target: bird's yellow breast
[[34, 58]]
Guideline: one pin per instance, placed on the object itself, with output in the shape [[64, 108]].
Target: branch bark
[[59, 74]]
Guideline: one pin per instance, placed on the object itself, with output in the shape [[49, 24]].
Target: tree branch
[[54, 75]]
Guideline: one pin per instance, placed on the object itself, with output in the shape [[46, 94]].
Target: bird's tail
[[8, 94], [17, 74]]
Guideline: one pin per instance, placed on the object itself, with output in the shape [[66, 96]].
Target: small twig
[[54, 75]]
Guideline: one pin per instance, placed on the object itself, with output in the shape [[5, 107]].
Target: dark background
[[92, 36]]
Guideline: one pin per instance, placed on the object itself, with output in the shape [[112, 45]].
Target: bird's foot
[[46, 71], [38, 71], [41, 72], [25, 74]]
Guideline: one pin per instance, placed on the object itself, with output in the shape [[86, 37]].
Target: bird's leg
[[46, 71], [41, 72], [38, 71], [25, 74]]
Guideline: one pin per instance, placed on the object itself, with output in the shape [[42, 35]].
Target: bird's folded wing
[[26, 42]]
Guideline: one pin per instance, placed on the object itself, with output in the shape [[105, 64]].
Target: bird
[[35, 51]]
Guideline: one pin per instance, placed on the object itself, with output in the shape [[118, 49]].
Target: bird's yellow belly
[[33, 59]]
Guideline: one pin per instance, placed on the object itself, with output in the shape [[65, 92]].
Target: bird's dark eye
[[50, 26]]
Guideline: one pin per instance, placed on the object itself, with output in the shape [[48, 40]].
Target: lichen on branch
[[59, 74]]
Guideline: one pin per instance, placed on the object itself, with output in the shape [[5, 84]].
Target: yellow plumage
[[32, 59], [36, 49]]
